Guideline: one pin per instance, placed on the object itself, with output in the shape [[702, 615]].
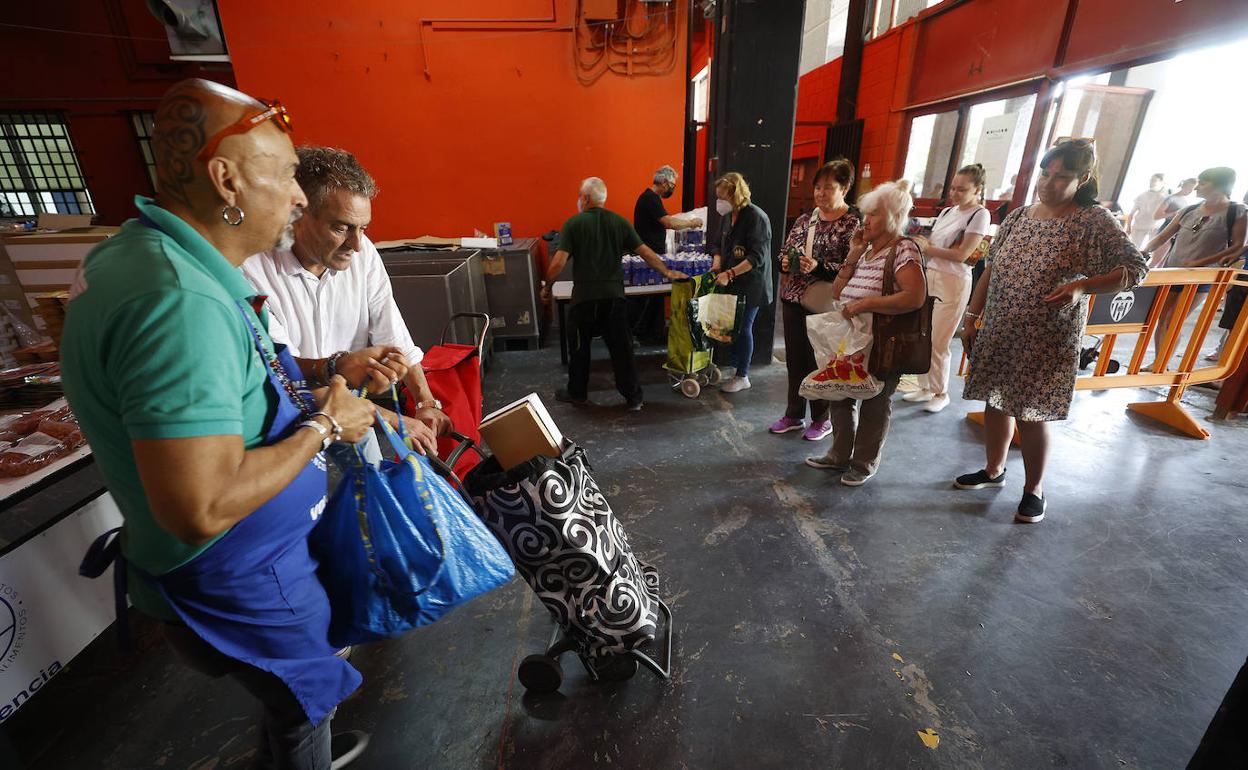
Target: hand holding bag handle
[[903, 342]]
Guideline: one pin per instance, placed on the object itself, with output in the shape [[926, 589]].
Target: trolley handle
[[485, 328]]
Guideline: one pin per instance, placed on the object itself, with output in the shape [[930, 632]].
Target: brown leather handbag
[[902, 344]]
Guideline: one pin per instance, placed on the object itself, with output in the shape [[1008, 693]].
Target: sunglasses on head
[[273, 111]]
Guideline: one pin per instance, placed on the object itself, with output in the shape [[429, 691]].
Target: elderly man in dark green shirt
[[595, 240]]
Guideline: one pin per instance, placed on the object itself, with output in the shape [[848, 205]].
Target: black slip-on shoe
[[1030, 509], [978, 480]]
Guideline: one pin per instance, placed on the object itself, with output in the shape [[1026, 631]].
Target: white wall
[[823, 35], [1198, 118]]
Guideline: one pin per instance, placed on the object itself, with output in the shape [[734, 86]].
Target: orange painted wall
[[499, 129]]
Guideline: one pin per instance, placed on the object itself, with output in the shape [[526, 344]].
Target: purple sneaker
[[786, 424], [818, 430]]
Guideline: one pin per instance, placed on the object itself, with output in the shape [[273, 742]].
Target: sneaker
[[979, 480], [635, 406], [937, 403], [818, 431], [786, 425], [918, 396], [346, 747], [735, 384], [727, 373], [1030, 509], [855, 478], [824, 464], [563, 395], [1217, 352]]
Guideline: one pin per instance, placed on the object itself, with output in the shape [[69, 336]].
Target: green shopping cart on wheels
[[701, 316]]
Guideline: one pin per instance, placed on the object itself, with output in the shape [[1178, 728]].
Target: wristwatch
[[432, 403]]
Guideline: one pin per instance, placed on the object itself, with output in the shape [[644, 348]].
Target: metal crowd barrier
[[1138, 311]]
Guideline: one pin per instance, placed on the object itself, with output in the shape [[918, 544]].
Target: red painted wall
[[1144, 28], [94, 80], [886, 69], [498, 129], [703, 50], [986, 43], [964, 47]]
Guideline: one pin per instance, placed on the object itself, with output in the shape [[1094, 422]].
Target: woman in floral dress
[[1028, 312]]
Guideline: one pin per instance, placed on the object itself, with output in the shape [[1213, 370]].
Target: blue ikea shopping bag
[[399, 547]]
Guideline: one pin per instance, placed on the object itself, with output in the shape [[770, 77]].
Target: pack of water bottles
[[638, 273]]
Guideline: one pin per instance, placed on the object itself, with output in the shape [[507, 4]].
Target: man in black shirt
[[595, 240], [651, 221], [650, 217]]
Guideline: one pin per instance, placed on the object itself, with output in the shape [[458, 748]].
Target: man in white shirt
[[330, 293], [1142, 219]]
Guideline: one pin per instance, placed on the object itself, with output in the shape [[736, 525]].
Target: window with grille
[[39, 171], [144, 123]]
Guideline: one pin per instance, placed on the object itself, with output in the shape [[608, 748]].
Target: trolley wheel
[[714, 376], [690, 388], [615, 668], [540, 673]]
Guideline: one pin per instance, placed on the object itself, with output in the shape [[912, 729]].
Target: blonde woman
[[743, 265]]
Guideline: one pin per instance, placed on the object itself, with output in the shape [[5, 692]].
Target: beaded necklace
[[296, 389]]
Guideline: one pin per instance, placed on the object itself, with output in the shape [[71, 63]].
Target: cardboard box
[[521, 431]]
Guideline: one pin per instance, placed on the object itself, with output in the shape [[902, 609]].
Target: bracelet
[[972, 315], [331, 366], [732, 274], [327, 438], [337, 429]]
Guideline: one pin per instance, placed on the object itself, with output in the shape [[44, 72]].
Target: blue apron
[[254, 595]]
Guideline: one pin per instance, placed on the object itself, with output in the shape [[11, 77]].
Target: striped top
[[868, 278]]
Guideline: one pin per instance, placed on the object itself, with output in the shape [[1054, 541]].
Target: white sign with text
[[993, 149], [48, 612]]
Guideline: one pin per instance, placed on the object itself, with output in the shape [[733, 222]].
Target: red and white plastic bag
[[842, 348]]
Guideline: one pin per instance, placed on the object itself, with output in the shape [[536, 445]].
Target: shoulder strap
[[1232, 214], [889, 285]]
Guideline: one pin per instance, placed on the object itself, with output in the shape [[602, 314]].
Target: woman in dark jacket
[[743, 263]]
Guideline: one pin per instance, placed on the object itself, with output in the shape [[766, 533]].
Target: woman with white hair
[[856, 447]]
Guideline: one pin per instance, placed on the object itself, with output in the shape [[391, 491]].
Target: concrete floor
[[817, 626]]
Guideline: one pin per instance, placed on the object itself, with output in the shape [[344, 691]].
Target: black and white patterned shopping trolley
[[569, 546]]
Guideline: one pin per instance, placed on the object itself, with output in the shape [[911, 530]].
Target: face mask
[[723, 207], [668, 192]]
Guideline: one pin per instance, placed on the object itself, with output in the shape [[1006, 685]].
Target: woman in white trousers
[[955, 236]]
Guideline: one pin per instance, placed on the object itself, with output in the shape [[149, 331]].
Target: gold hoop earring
[[233, 211]]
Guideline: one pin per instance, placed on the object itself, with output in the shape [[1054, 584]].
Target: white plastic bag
[[842, 348]]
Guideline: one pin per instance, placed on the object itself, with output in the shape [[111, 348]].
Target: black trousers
[[288, 741], [606, 318], [799, 360]]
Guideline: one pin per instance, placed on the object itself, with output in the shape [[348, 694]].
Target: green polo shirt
[[155, 347], [595, 239]]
